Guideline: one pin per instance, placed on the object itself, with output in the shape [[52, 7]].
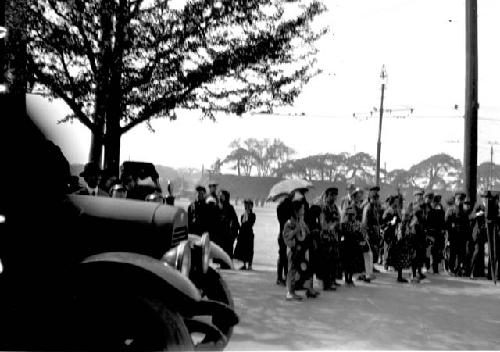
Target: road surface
[[441, 313]]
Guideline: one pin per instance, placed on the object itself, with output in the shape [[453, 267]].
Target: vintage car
[[94, 273]]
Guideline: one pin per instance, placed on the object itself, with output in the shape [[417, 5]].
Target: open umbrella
[[285, 187]]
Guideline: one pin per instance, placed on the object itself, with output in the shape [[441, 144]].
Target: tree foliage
[[121, 63], [433, 170], [265, 156]]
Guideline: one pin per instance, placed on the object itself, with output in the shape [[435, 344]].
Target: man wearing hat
[[348, 199], [197, 212], [372, 214], [212, 196], [328, 250], [427, 209], [91, 175], [457, 226], [435, 232]]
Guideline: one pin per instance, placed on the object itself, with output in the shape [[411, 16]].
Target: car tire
[[216, 289], [133, 323]]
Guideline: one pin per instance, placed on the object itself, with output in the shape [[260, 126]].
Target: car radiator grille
[[179, 234]]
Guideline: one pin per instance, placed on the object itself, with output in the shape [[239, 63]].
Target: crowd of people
[[213, 213], [334, 241]]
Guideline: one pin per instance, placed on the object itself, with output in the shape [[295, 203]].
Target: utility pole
[[383, 78], [471, 103], [491, 167]]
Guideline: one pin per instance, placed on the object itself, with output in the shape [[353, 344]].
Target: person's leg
[[290, 279], [368, 259]]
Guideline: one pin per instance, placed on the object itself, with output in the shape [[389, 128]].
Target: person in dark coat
[[328, 252], [371, 223], [245, 243], [479, 238], [435, 232], [396, 250], [417, 243], [350, 235], [229, 225], [91, 174], [197, 213], [283, 213], [457, 226]]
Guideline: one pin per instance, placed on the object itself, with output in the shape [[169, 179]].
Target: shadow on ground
[[441, 313]]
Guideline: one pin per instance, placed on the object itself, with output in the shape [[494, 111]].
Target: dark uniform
[[435, 232], [371, 222], [457, 226], [197, 217]]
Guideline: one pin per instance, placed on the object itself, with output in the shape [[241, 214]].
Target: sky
[[420, 42]]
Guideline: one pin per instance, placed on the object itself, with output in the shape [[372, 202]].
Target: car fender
[[148, 264], [215, 250]]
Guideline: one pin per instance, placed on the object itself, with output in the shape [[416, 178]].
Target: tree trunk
[[17, 56], [96, 145]]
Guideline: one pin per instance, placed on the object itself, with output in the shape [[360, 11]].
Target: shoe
[[414, 280], [421, 276], [386, 267], [361, 277], [312, 293], [336, 284], [367, 280], [243, 267], [280, 282], [350, 284], [402, 280], [293, 297], [375, 270]]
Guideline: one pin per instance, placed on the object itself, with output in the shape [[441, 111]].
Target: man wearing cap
[[118, 191], [435, 232], [427, 209], [328, 251], [418, 201], [213, 213], [197, 212], [371, 225], [372, 214], [348, 199], [457, 226], [91, 174]]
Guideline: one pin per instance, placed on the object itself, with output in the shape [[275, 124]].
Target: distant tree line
[[253, 157]]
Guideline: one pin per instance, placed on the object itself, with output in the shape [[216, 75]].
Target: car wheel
[[131, 324], [215, 288]]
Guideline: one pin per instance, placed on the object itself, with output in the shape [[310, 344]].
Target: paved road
[[441, 313]]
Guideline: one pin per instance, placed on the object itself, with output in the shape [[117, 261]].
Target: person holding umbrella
[[283, 192]]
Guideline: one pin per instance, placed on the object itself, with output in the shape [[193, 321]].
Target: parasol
[[285, 187]]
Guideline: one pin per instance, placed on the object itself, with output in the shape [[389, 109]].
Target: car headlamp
[[180, 257], [205, 252]]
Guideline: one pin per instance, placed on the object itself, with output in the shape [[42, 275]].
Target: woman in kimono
[[479, 239], [298, 241], [244, 246]]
